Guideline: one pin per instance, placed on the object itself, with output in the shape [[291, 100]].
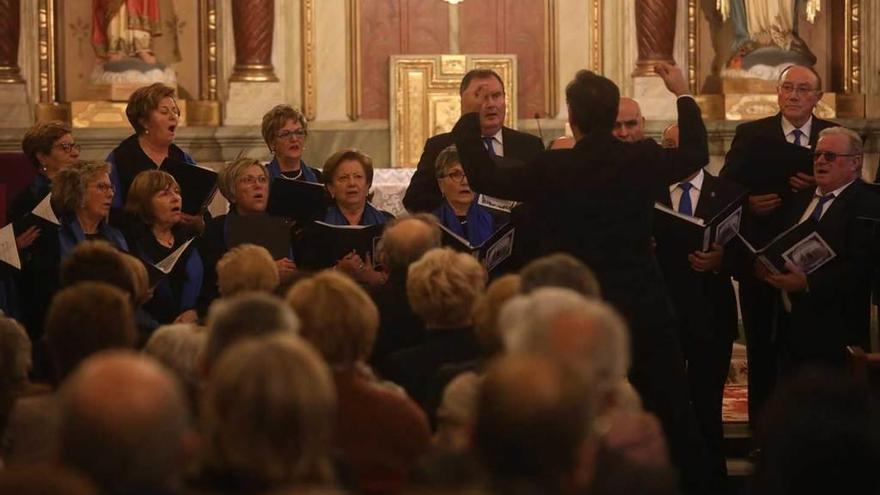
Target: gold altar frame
[[205, 111]]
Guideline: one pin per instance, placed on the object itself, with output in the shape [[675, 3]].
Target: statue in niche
[[124, 34], [765, 36]]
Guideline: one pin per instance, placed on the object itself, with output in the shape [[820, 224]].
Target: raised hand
[[672, 78]]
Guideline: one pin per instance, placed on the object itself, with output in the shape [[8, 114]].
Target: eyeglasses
[[298, 133], [104, 187], [830, 156], [68, 147], [456, 175], [250, 180], [789, 88]]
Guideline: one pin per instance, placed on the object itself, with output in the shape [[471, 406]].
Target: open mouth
[[259, 196], [176, 209], [172, 128]]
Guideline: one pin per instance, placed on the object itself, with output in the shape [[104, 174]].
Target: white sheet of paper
[[8, 249], [167, 264], [44, 210]]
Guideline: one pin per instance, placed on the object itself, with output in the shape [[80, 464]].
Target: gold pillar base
[[204, 113], [10, 75], [711, 106], [46, 112], [645, 68], [253, 73]]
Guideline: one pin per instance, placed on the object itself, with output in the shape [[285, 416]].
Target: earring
[[146, 131]]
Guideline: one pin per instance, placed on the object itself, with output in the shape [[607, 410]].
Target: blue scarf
[[480, 224], [371, 216], [71, 233], [308, 174]]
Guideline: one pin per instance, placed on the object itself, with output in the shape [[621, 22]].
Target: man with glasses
[[818, 314], [798, 92]]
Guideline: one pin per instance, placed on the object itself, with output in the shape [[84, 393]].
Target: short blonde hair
[[143, 101], [332, 164], [338, 317], [246, 267], [143, 188], [269, 413], [443, 285], [40, 138], [488, 306], [69, 186], [227, 178], [277, 117]]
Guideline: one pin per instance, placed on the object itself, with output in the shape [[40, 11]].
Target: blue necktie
[[684, 205], [487, 141], [797, 136], [817, 211]]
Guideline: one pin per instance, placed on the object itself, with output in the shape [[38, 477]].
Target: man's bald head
[[670, 136], [407, 238], [630, 124], [123, 422]]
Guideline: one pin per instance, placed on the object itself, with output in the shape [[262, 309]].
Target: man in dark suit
[[798, 92], [481, 91], [702, 295], [820, 313], [595, 201]]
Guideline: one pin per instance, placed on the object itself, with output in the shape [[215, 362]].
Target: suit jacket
[[705, 302], [596, 202], [834, 312], [423, 193]]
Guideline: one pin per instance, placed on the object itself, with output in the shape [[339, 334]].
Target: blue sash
[[480, 224]]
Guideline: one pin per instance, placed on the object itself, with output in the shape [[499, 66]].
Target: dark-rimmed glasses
[[68, 147], [830, 156]]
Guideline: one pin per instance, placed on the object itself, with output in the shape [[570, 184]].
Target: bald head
[[123, 422], [406, 239], [670, 137], [629, 125]]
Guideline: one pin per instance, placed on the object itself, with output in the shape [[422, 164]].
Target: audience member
[[245, 268], [245, 316], [44, 480], [145, 322], [442, 288], [404, 241], [285, 130], [559, 270], [268, 414], [380, 432], [181, 347], [124, 423], [15, 363], [481, 90], [629, 126]]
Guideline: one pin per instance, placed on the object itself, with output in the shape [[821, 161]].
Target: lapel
[[799, 203], [777, 127], [837, 210], [707, 205], [510, 142]]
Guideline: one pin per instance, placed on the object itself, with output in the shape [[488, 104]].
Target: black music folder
[[296, 199], [157, 272], [197, 184], [273, 233], [697, 234], [321, 244], [491, 253], [801, 245], [770, 163]]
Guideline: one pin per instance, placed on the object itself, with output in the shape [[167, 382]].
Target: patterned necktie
[[817, 211], [487, 141], [797, 136], [684, 204]]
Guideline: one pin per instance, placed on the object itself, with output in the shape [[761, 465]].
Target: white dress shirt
[[809, 211], [788, 128], [497, 143], [694, 193]]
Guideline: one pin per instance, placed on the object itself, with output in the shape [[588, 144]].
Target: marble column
[[10, 18], [655, 33], [252, 23], [253, 86]]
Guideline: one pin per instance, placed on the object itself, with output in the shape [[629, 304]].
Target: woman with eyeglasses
[[460, 212], [153, 113], [285, 130], [245, 184]]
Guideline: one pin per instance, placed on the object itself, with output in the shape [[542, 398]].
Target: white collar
[[835, 192], [497, 136], [696, 182], [787, 127]]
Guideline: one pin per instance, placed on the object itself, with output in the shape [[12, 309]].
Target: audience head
[[820, 434], [592, 103], [84, 319], [154, 197], [15, 354], [337, 316], [588, 333], [798, 92], [534, 422], [50, 147], [442, 287], [284, 130], [348, 176], [629, 126], [83, 188], [153, 113], [139, 277], [488, 306], [563, 143], [669, 138], [180, 347], [244, 268], [269, 413], [559, 270], [452, 180], [124, 423], [245, 184], [457, 412], [406, 238], [98, 261], [482, 90], [243, 316], [44, 480], [845, 146]]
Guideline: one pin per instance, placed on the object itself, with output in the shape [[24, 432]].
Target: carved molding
[[309, 85], [693, 37], [655, 33], [550, 62], [46, 49], [353, 74], [596, 36], [208, 43], [853, 54], [253, 24], [10, 27]]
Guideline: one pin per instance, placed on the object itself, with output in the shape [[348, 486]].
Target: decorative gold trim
[[692, 36], [353, 35], [847, 54], [596, 36], [46, 49], [550, 63], [208, 39], [854, 40], [309, 97]]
